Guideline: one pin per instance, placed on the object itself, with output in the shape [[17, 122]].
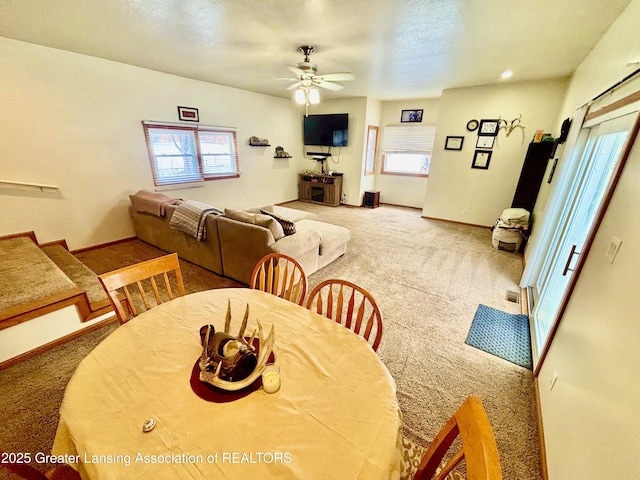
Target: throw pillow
[[256, 219], [287, 225]]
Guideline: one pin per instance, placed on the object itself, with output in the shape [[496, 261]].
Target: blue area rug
[[505, 335]]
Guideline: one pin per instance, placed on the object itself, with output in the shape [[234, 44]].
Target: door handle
[[571, 254]]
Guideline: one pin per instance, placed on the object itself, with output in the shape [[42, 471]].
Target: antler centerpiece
[[233, 362]]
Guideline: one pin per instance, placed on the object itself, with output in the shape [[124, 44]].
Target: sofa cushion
[[332, 236], [288, 226], [257, 219]]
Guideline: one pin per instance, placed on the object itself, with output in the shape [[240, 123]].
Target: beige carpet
[[428, 278]]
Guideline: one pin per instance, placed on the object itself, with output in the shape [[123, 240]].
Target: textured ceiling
[[395, 48]]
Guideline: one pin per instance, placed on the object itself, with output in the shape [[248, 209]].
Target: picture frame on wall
[[409, 116], [488, 128], [453, 143], [481, 159], [188, 114], [485, 142], [372, 147]]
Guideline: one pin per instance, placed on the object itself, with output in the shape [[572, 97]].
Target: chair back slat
[[143, 294], [359, 317], [280, 275], [479, 450], [167, 285], [321, 300], [136, 274]]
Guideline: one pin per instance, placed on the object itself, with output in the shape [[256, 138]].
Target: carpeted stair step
[[79, 273], [29, 280]]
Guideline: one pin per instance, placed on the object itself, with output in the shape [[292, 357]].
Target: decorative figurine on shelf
[[233, 362], [280, 153], [257, 142]]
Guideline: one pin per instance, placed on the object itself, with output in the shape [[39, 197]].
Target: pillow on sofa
[[256, 219], [287, 225]]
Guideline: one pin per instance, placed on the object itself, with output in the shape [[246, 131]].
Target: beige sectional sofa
[[235, 241]]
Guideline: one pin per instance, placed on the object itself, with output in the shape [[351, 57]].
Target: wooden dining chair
[[26, 471], [349, 305], [477, 447], [280, 275], [141, 274]]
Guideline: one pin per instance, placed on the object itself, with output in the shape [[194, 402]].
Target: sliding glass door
[[597, 164]]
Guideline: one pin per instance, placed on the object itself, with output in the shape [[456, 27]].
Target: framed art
[[372, 147], [488, 128], [485, 142], [411, 116], [481, 159], [453, 143], [188, 114]]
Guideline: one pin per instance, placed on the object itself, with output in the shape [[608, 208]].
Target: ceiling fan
[[307, 74]]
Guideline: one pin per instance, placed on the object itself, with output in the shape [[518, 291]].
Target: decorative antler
[[214, 356], [510, 126]]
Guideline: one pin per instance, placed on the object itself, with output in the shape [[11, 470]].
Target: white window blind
[[187, 154], [409, 138], [407, 150]]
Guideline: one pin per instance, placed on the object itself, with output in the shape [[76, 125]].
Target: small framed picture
[[481, 159], [485, 142], [488, 128], [411, 116], [453, 143], [188, 114]]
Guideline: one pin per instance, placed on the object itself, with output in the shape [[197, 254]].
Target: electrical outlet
[[553, 380], [612, 250], [464, 211]]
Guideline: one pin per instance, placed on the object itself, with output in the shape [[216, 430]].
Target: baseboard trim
[[456, 222], [543, 451], [101, 245], [58, 341], [398, 205]]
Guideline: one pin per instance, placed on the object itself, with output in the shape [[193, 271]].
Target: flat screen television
[[330, 130]]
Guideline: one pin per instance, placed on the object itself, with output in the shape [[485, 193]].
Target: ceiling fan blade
[[328, 85], [337, 77], [294, 86]]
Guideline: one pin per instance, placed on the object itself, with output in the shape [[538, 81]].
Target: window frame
[[399, 140], [195, 131]]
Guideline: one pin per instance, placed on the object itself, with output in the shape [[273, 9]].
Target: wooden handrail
[[38, 186]]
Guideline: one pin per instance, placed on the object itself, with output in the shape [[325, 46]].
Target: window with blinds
[[407, 150], [184, 154]]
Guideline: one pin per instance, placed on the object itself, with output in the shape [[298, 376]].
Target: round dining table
[[335, 415]]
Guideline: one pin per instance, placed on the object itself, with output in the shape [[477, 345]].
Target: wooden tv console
[[324, 189]]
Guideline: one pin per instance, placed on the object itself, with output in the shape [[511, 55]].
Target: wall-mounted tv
[[330, 130]]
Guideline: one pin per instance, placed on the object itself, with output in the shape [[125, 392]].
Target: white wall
[[75, 121], [400, 189], [591, 417], [456, 191]]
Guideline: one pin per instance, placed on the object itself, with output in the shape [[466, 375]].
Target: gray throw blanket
[[190, 216]]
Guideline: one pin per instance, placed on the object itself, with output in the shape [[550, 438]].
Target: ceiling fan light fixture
[[300, 96], [314, 96]]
